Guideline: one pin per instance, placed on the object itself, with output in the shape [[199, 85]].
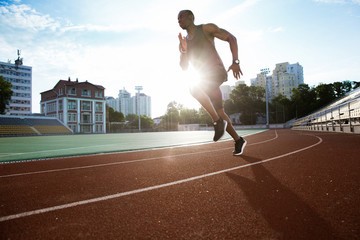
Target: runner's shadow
[[286, 213]]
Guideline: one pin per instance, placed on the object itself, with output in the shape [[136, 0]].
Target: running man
[[198, 48]]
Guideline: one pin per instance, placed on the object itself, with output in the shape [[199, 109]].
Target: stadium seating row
[[13, 126], [16, 130], [44, 129]]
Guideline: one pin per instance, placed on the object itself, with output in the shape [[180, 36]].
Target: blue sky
[[122, 43]]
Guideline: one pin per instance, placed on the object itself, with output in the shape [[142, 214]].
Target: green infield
[[41, 147]]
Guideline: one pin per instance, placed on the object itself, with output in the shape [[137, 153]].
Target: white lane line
[[104, 198], [125, 162], [62, 149]]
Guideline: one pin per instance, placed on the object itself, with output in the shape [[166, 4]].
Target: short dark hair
[[188, 12]]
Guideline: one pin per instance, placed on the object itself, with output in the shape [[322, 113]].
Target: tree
[[249, 101], [188, 116], [115, 119], [170, 120], [324, 94], [280, 109], [145, 121], [204, 117], [338, 89], [355, 84], [131, 117], [115, 116], [5, 94], [303, 101]]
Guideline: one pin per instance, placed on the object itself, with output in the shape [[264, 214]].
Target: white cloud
[[274, 30], [24, 17], [101, 28]]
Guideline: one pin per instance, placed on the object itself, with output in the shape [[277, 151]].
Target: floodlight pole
[[266, 71], [139, 88]]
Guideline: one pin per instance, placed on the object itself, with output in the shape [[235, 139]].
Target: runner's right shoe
[[239, 146], [219, 127]]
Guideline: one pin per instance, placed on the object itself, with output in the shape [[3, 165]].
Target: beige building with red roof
[[79, 105]]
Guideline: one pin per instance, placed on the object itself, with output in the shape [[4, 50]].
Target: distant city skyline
[[127, 104], [130, 43]]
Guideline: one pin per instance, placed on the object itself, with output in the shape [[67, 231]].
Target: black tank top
[[204, 57]]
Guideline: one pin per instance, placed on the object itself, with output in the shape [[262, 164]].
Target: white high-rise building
[[144, 104], [113, 103], [225, 92], [21, 78], [128, 104], [297, 70], [124, 102]]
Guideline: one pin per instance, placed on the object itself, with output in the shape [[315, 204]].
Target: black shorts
[[210, 84]]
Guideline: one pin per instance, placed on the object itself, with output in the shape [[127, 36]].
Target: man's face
[[184, 19]]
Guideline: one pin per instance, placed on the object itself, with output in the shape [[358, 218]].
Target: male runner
[[198, 48]]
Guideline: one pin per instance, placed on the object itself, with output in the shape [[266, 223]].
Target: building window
[[98, 117], [98, 128], [98, 94], [85, 93], [60, 105], [72, 117], [71, 105], [85, 129], [98, 107], [61, 91], [85, 106], [72, 91], [85, 118], [72, 127], [51, 107]]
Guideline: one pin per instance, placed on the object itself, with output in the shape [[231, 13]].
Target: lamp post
[[139, 88], [266, 71]]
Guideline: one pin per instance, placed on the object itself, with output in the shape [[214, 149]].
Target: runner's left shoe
[[219, 127]]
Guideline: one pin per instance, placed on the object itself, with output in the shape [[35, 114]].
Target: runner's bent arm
[[184, 62], [222, 34]]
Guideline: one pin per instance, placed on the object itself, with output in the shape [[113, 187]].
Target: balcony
[[86, 123]]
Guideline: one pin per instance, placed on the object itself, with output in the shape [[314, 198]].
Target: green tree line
[[250, 102], [5, 94], [117, 122]]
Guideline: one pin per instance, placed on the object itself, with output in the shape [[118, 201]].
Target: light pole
[[266, 71], [139, 88]]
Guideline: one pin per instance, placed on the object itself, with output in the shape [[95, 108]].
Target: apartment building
[[113, 103], [21, 78], [124, 102], [128, 104], [141, 103], [79, 105], [285, 77]]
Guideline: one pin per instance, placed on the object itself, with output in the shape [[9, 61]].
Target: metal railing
[[342, 115]]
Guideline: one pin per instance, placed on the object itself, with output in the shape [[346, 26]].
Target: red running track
[[287, 185]]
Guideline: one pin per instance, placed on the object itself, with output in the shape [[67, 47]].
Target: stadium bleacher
[[28, 125], [342, 115]]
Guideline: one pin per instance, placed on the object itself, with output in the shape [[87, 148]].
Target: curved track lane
[[287, 185]]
